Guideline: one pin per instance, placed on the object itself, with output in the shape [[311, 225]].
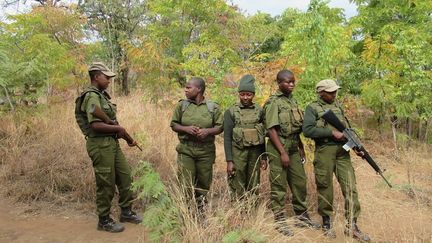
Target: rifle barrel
[[139, 147], [388, 183]]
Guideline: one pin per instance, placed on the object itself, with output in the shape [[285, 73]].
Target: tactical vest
[[322, 108], [290, 115], [248, 128], [81, 116]]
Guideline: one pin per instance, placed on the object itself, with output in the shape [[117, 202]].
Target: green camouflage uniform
[[195, 158], [109, 163], [330, 158], [282, 112], [244, 137]]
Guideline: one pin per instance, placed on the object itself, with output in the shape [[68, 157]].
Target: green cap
[[99, 66], [247, 83]]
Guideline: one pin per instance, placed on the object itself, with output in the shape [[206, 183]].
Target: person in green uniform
[[283, 120], [244, 141], [331, 158], [110, 166], [196, 121]]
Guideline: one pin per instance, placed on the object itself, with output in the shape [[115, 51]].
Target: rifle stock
[[353, 141], [99, 113]]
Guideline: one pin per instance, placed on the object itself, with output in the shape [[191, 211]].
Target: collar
[[204, 101], [246, 107], [322, 102], [94, 88], [100, 91], [280, 93]]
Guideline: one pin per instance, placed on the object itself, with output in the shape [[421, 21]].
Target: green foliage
[[161, 217], [208, 39], [40, 51], [6, 66], [397, 45], [246, 235], [224, 96], [117, 23], [382, 55], [319, 43], [195, 38], [261, 36]]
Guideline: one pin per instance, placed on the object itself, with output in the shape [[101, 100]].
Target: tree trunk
[[8, 98], [409, 128], [114, 80], [124, 73], [394, 121], [426, 136], [420, 128], [410, 131]]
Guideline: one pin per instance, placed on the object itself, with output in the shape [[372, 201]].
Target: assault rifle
[[353, 141], [99, 113]]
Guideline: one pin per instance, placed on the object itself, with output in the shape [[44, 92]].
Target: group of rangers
[[246, 125]]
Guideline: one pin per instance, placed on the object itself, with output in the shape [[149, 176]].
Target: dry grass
[[43, 158]]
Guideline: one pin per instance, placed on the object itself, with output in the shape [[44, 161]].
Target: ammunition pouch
[[247, 137]]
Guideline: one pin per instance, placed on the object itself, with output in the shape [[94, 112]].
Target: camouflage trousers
[[331, 159], [111, 169]]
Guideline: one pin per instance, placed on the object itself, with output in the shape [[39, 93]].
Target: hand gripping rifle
[[353, 141], [99, 113]]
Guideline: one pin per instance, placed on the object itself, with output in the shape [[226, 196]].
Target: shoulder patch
[[211, 105], [184, 104]]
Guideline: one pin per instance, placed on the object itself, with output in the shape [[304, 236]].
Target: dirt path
[[19, 225]]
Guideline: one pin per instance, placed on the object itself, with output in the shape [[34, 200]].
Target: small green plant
[[247, 235], [161, 217]]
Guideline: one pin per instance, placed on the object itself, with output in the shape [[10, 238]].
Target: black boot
[[106, 223], [127, 215], [305, 221], [327, 227], [353, 231], [281, 225]]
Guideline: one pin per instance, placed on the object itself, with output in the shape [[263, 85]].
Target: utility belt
[[290, 136], [291, 140], [101, 136], [327, 141], [197, 143]]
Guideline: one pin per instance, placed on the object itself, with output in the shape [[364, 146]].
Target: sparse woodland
[[381, 58]]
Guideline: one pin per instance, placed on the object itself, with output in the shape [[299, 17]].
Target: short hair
[[93, 74], [282, 74], [199, 82]]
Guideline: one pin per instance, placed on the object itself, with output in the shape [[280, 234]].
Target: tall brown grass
[[43, 158]]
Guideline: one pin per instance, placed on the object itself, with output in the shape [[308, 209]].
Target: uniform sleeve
[[309, 125], [90, 99], [271, 114], [218, 118], [176, 118], [262, 118], [261, 114], [228, 125]]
